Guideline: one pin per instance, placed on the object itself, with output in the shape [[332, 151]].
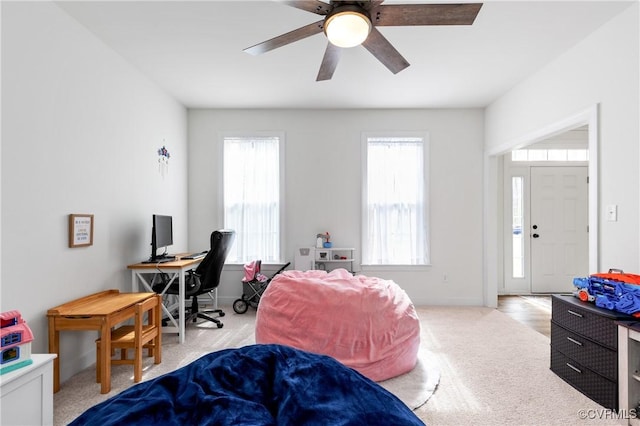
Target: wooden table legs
[[54, 348]]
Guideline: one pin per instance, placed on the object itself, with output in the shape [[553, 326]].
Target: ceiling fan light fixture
[[347, 27]]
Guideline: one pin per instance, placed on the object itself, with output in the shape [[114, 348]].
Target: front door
[[558, 228]]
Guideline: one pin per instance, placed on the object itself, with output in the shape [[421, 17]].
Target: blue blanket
[[254, 385]]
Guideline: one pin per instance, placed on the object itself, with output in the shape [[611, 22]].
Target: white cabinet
[[26, 394], [324, 258], [629, 371]]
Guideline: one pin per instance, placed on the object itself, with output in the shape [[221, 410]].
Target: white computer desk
[[140, 272]]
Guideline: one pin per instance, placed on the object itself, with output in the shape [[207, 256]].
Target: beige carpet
[[81, 391], [486, 369], [495, 371]]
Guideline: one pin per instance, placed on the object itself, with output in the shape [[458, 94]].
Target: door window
[[517, 216]]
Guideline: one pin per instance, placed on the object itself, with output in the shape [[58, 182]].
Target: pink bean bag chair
[[366, 323]]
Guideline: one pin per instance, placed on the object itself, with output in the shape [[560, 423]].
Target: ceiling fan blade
[[313, 6], [374, 3], [384, 51], [284, 39], [329, 62], [425, 14]]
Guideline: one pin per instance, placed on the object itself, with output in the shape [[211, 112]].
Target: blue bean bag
[[254, 385]]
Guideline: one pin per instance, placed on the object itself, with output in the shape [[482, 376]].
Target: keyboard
[[164, 259], [199, 255]]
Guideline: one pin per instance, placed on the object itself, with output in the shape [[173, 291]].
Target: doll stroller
[[254, 284]]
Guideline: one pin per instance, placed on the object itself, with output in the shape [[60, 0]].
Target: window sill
[[264, 266], [373, 268]]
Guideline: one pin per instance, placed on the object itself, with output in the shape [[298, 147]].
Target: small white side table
[[26, 394]]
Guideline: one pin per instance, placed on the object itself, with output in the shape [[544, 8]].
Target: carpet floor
[[495, 371], [476, 366]]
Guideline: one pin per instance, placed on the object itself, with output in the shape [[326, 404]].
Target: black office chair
[[206, 277]]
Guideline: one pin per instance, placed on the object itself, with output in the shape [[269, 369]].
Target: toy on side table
[[15, 338], [614, 290]]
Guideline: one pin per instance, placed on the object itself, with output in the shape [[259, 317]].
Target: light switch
[[612, 213]]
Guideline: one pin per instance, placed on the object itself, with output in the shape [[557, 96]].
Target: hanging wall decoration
[[163, 161], [80, 230]]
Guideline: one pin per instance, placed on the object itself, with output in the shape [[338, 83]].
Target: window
[[252, 184], [517, 221], [550, 155], [395, 202]]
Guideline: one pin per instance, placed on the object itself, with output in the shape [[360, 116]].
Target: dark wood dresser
[[584, 347]]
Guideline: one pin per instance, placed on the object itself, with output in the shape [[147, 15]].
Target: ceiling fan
[[351, 23]]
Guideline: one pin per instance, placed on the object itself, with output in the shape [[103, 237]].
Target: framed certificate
[[80, 230]]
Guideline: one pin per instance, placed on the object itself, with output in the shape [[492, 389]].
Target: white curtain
[[395, 207], [252, 197]]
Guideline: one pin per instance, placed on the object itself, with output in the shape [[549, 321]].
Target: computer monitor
[[161, 235]]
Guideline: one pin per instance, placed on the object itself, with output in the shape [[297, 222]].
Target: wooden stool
[[137, 337]]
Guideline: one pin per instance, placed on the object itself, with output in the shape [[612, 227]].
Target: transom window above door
[[570, 154]]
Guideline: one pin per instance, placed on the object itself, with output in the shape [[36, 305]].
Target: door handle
[[535, 235]]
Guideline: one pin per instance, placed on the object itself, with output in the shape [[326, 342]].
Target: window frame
[[424, 135], [281, 159]]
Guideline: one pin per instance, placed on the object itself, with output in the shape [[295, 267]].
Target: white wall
[[81, 128], [601, 70], [323, 181]]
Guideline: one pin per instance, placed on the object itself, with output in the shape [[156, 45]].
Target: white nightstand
[[26, 394]]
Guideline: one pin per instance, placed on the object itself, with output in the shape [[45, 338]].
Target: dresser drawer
[[594, 386], [586, 319], [600, 359]]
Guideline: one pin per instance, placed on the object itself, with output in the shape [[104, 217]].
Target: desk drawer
[[583, 320], [594, 386], [598, 358]]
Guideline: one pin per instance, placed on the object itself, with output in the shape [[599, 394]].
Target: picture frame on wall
[[80, 230]]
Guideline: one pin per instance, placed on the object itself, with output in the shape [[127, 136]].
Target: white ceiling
[[194, 51]]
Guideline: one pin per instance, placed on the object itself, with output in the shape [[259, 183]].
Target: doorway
[[546, 215], [495, 279]]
